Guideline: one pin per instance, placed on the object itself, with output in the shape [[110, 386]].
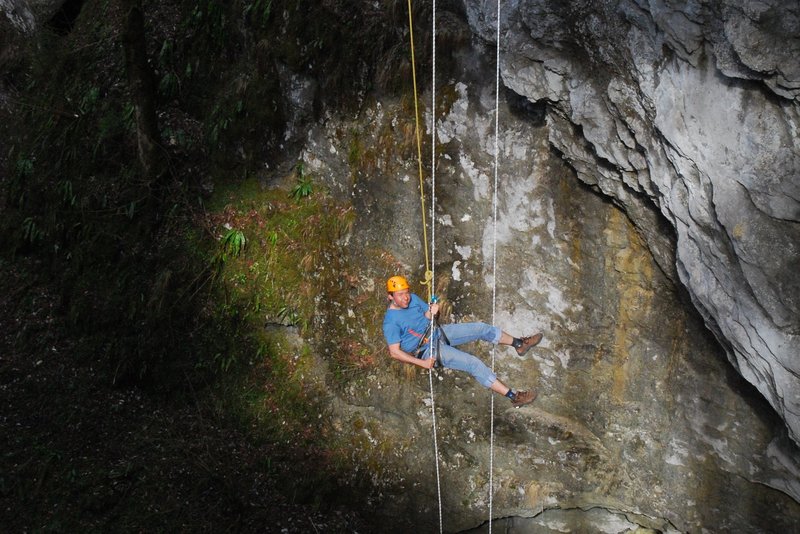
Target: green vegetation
[[167, 322], [291, 259], [303, 188]]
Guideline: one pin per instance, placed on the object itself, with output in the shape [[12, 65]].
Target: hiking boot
[[528, 342], [521, 398]]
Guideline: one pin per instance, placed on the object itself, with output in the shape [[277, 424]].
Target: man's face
[[401, 298]]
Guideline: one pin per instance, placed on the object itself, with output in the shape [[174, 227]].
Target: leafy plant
[[209, 18], [303, 188], [219, 126], [128, 116], [31, 233], [259, 10], [24, 167], [89, 99], [225, 360], [67, 194], [355, 151], [233, 242], [169, 84], [288, 315]]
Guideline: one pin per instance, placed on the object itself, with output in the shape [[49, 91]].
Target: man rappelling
[[411, 340]]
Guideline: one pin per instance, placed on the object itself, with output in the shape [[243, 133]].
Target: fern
[[303, 188], [233, 242]]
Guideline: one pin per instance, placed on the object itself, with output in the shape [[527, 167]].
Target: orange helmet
[[396, 283]]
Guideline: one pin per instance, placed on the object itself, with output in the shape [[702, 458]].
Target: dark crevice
[[525, 109], [64, 20]]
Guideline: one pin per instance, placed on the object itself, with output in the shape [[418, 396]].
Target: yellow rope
[[428, 282], [428, 272]]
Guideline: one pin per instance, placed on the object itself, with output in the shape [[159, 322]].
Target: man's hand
[[433, 310], [399, 354]]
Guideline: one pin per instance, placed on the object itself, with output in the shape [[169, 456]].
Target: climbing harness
[[429, 274], [433, 337]]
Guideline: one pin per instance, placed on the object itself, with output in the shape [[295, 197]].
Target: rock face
[[24, 16], [641, 421], [684, 113], [683, 116]]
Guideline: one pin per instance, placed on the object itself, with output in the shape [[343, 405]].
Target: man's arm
[[399, 354]]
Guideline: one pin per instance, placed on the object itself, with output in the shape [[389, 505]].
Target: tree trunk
[[143, 92]]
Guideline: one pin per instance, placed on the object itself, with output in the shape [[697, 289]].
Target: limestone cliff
[[672, 112], [646, 149], [684, 113]]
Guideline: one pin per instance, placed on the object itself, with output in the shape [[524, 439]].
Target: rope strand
[[428, 277], [429, 274], [435, 353], [436, 446], [433, 147], [494, 253], [434, 343]]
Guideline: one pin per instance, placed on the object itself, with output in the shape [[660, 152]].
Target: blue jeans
[[461, 333]]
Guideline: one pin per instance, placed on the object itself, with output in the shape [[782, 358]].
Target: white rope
[[435, 443], [434, 345], [433, 145], [494, 254]]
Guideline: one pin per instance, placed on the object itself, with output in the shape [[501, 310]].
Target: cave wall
[[641, 421], [684, 112], [683, 117]]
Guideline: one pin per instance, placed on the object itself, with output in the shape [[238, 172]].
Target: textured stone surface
[[25, 15], [688, 109], [641, 422], [683, 115]]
